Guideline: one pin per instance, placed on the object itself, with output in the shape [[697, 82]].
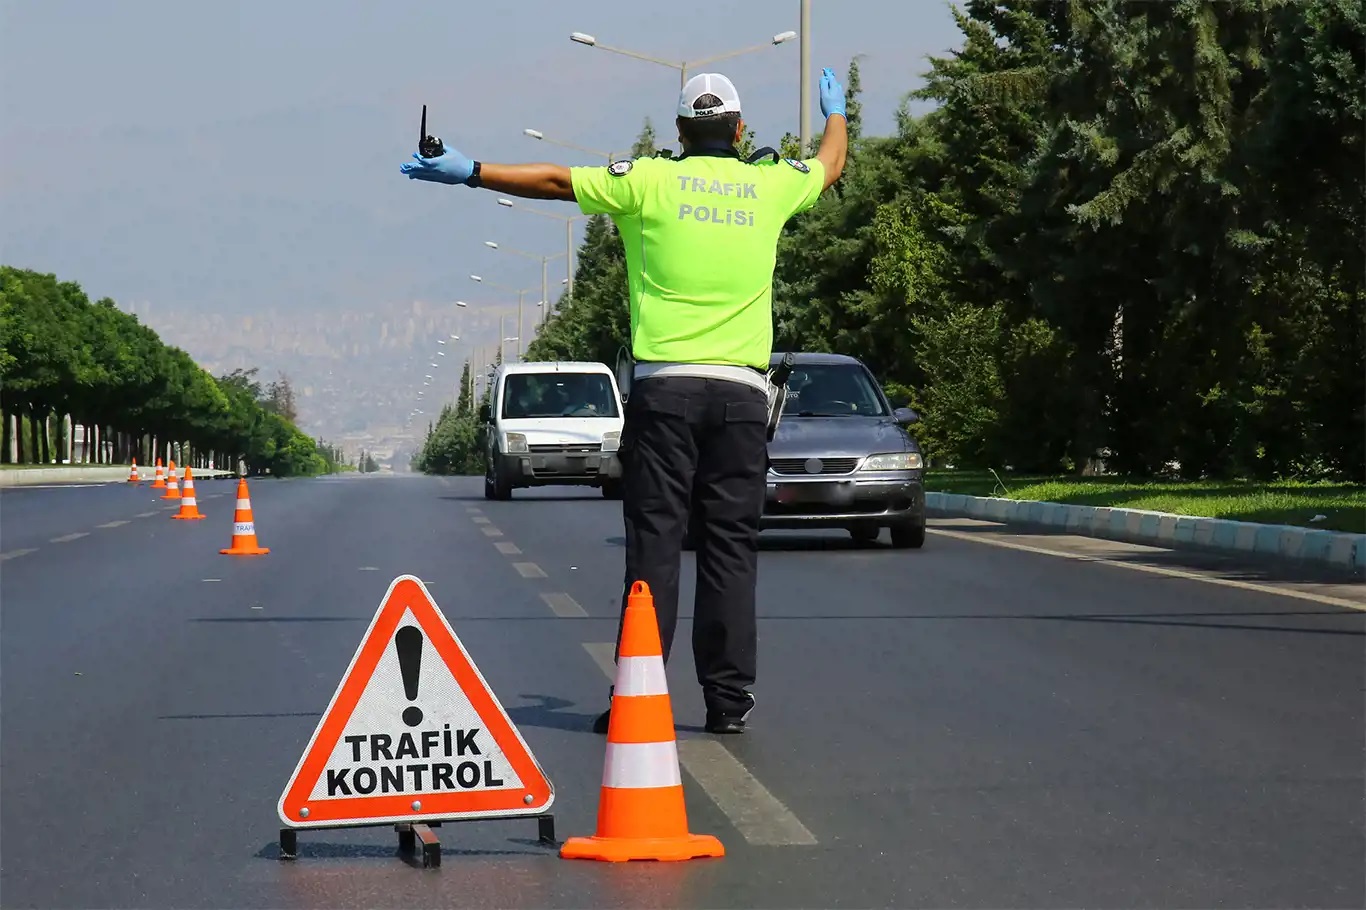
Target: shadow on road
[[550, 715]]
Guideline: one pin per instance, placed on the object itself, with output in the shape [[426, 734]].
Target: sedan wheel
[[909, 536]]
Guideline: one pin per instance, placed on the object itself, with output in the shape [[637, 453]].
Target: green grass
[[1275, 502]]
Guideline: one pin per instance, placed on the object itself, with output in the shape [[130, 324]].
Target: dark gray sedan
[[842, 457]]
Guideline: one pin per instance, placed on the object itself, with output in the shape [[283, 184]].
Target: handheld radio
[[428, 146]]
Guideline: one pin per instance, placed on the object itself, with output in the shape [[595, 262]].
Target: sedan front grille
[[797, 466]]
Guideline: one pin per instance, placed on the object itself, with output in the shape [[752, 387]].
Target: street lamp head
[[506, 203], [534, 134], [783, 36], [459, 303], [490, 244], [456, 337], [581, 38], [440, 341], [475, 278]]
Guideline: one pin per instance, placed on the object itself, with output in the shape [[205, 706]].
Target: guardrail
[[18, 477], [1335, 548]]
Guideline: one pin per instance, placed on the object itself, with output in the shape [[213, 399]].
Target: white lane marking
[[112, 524], [755, 812], [144, 514], [491, 532], [508, 548], [67, 538], [604, 654], [1159, 570], [474, 510], [368, 569], [13, 553], [529, 570], [562, 604], [206, 580], [481, 519]]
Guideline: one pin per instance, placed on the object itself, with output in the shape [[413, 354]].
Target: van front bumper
[[529, 469]]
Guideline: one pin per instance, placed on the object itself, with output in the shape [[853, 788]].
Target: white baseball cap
[[708, 84]]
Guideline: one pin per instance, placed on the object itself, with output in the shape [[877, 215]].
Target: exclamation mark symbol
[[408, 641]]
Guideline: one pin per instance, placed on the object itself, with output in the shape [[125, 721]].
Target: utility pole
[[805, 90]]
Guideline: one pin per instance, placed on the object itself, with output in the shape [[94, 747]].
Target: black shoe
[[724, 722]]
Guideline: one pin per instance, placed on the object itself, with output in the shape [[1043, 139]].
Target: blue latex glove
[[832, 94], [449, 167]]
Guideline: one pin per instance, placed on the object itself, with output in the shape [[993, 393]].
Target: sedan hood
[[804, 437]]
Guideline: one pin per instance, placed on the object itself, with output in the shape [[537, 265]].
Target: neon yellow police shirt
[[701, 239]]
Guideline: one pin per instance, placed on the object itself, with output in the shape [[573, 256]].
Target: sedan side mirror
[[905, 416], [485, 413]]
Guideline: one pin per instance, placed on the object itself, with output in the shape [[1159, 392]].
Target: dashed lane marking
[[755, 812], [481, 519], [207, 580], [529, 570], [508, 548], [144, 514], [1159, 570], [490, 531], [15, 553], [112, 524], [67, 538], [562, 604]]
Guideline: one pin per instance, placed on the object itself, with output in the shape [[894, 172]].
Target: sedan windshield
[[558, 395], [832, 390]]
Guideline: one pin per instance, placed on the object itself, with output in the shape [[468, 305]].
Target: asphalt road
[[977, 724]]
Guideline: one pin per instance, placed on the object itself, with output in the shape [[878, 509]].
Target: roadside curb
[[22, 477], [1336, 548]]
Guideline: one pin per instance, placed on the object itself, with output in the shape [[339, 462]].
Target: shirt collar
[[710, 151]]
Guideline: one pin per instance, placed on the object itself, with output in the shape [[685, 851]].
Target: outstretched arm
[[530, 181], [835, 140]]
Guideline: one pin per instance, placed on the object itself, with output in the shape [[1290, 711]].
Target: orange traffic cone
[[133, 476], [640, 807], [244, 527], [189, 508], [172, 485], [160, 482]]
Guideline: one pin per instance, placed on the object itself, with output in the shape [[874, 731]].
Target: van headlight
[[893, 461], [611, 441], [515, 443]]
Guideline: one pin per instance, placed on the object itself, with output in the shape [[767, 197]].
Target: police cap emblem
[[619, 168], [798, 165]]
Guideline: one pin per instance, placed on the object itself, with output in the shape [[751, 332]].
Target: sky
[[244, 156]]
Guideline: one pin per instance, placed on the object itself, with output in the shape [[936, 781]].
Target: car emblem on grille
[[813, 466]]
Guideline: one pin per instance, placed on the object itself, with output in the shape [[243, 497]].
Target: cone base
[[245, 551], [622, 849]]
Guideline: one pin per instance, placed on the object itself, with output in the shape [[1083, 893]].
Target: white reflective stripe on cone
[[641, 676], [641, 765], [188, 500], [244, 505], [243, 527]]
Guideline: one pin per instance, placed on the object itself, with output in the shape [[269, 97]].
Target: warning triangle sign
[[413, 732]]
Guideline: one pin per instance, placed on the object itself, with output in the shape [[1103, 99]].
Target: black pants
[[698, 444]]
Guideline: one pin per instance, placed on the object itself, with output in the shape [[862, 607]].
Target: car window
[[833, 390], [558, 395]]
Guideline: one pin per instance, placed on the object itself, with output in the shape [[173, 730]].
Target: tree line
[[63, 356], [454, 442], [1128, 236]]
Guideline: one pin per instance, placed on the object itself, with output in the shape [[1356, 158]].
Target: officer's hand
[[448, 167], [832, 94]]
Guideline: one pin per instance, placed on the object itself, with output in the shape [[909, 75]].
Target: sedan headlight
[[611, 441], [516, 443], [893, 461]]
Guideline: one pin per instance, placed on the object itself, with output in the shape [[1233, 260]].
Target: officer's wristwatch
[[475, 179]]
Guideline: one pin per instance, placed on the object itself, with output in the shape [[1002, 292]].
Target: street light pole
[[591, 41], [805, 89], [568, 237]]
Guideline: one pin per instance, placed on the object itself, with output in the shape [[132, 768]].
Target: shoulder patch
[[620, 168], [798, 165]]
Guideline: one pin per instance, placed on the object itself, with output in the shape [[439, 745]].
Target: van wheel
[[496, 487]]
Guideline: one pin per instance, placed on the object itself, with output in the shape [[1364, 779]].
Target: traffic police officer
[[700, 233]]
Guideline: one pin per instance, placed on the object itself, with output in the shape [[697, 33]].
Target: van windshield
[[558, 395]]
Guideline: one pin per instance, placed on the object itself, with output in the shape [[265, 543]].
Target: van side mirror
[[905, 416], [485, 413]]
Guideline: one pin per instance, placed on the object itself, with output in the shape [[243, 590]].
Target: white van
[[552, 424]]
